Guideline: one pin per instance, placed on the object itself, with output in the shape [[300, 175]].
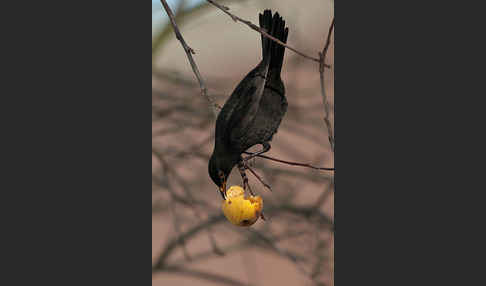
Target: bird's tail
[[272, 51]]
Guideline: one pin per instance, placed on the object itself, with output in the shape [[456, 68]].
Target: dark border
[[408, 121], [80, 75]]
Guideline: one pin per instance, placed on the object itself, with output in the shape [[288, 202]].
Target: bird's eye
[[221, 174]]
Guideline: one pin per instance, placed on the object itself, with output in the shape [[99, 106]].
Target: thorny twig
[[322, 57], [261, 31], [189, 51]]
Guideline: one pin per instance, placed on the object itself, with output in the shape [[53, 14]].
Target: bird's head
[[219, 174]]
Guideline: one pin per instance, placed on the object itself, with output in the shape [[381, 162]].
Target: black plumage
[[253, 112]]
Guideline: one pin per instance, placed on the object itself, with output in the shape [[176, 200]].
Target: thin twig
[[191, 203], [176, 224], [175, 218], [308, 212], [324, 195], [249, 242], [292, 163], [271, 245], [259, 178], [189, 51], [321, 259], [262, 31], [215, 248], [322, 57], [172, 245]]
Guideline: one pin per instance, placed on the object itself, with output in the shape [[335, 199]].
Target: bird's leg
[[242, 167], [266, 147]]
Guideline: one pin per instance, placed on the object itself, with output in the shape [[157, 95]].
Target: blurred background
[[192, 242]]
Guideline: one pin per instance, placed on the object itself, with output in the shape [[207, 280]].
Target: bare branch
[[271, 245], [261, 31], [172, 245], [324, 195], [308, 212], [177, 228], [192, 203], [322, 58], [259, 179], [249, 242], [292, 163], [189, 51], [215, 248]]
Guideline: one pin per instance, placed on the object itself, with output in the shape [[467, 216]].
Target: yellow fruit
[[239, 209]]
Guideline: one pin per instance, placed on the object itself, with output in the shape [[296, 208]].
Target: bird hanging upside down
[[253, 112]]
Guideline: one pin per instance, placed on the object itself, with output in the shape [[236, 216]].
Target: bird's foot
[[242, 166]]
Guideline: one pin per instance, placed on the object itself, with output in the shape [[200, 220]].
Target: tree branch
[[292, 163], [261, 31], [322, 58], [172, 245], [189, 51]]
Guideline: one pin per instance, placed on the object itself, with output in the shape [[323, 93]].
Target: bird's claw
[[242, 168]]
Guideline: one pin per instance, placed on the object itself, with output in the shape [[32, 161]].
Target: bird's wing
[[227, 116], [241, 108], [251, 91]]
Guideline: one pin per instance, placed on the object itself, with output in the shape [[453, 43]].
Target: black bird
[[253, 112]]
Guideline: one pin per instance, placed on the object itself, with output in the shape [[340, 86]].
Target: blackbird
[[253, 112]]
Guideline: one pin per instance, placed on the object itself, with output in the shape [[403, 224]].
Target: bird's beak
[[222, 189]]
